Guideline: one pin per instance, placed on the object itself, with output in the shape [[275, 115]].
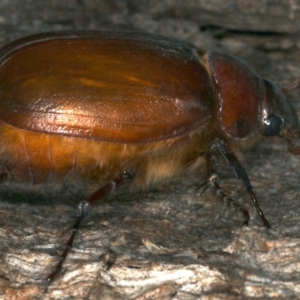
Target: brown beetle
[[90, 105]]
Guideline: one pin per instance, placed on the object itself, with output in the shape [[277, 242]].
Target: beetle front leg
[[240, 174], [83, 209], [213, 182]]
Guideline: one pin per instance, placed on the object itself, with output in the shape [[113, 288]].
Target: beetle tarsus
[[83, 210], [213, 183]]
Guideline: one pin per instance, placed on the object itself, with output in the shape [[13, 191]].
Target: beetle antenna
[[291, 86], [292, 148]]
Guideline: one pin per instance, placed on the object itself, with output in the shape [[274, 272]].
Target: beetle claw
[[204, 186], [209, 183]]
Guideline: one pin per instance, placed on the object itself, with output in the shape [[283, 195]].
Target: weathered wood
[[169, 243]]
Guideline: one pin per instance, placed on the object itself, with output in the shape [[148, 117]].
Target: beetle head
[[278, 117]]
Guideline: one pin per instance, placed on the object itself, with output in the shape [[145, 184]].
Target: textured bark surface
[[168, 243]]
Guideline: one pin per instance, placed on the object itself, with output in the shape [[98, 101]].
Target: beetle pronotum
[[96, 104]]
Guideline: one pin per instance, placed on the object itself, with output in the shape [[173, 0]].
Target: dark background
[[169, 243]]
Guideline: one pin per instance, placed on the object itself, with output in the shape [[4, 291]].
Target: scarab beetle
[[92, 105]]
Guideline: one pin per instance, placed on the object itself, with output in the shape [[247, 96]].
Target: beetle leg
[[83, 209], [213, 183], [240, 174]]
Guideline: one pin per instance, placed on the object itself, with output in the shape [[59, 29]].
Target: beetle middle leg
[[213, 182], [83, 209]]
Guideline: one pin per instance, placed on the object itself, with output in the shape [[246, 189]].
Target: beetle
[[109, 108]]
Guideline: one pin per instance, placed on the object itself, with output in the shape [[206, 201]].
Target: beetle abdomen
[[39, 158]]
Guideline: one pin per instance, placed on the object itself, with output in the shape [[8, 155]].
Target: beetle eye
[[272, 125]]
